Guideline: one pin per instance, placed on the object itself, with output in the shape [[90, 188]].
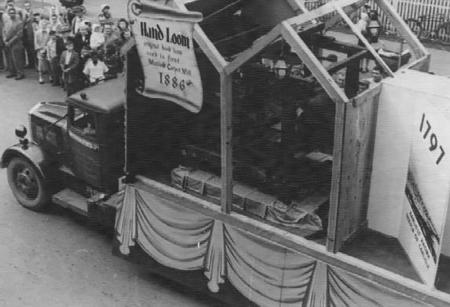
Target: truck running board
[[71, 200]]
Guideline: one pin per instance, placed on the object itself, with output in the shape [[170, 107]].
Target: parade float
[[249, 172]]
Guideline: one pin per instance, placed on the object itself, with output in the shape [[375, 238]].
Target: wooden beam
[[298, 244], [205, 44], [313, 64], [226, 102], [227, 7], [209, 49], [319, 12], [335, 45], [258, 46], [339, 65], [422, 64], [417, 47], [364, 40], [351, 9]]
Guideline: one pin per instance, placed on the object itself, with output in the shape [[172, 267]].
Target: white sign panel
[[164, 39], [427, 189], [410, 184]]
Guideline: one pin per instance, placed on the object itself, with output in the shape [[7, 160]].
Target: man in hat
[[28, 11], [69, 62], [95, 69], [54, 47], [12, 4], [82, 38], [105, 11], [13, 38], [28, 34], [79, 18]]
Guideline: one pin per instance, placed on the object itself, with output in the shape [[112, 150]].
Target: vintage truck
[[76, 149], [265, 195]]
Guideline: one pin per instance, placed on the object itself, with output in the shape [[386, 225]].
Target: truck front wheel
[[27, 184]]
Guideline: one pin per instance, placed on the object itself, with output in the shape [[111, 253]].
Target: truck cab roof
[[106, 97]]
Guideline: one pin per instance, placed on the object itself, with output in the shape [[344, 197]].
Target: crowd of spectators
[[64, 46]]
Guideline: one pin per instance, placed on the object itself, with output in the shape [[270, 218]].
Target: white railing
[[429, 19]]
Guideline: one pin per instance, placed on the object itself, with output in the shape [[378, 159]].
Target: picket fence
[[429, 19]]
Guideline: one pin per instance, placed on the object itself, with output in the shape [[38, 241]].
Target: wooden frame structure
[[286, 30], [351, 201]]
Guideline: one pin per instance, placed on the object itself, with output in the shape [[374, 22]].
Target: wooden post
[[226, 102], [333, 213], [352, 77]]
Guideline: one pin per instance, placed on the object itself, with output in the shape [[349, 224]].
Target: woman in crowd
[[122, 25], [55, 23], [97, 39], [40, 43]]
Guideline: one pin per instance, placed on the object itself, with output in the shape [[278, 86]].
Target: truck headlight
[[21, 131]]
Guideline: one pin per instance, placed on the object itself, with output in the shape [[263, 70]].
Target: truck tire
[[27, 184]]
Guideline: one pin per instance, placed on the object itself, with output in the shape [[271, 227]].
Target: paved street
[[55, 259]]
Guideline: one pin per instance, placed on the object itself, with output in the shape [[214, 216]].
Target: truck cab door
[[84, 146]]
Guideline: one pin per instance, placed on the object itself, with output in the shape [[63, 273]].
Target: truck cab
[[75, 148]]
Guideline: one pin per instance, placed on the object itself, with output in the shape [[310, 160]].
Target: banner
[[164, 39]]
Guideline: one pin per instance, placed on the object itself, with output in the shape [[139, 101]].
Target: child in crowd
[[69, 62]]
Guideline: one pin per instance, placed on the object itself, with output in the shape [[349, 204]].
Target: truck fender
[[31, 152]]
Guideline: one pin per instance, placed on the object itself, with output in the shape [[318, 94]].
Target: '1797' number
[[426, 128], [174, 82]]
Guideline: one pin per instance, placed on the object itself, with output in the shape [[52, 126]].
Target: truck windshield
[[84, 122]]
